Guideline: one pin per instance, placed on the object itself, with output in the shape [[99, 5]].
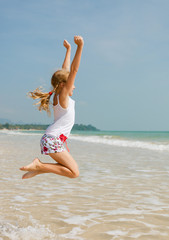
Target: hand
[[79, 41], [66, 44]]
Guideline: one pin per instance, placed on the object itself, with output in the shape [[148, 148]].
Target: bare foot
[[30, 174], [33, 166]]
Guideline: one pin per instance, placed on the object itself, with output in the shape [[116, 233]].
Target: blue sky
[[123, 80]]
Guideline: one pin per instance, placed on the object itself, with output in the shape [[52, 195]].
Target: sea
[[122, 192]]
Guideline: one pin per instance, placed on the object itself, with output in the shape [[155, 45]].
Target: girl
[[63, 106]]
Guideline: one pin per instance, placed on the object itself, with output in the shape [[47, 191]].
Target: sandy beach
[[122, 193]]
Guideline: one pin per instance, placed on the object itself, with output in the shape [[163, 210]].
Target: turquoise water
[[154, 141], [114, 137], [139, 135]]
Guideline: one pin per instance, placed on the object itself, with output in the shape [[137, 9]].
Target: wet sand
[[122, 193]]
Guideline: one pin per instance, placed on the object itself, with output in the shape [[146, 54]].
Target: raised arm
[[66, 63], [75, 63]]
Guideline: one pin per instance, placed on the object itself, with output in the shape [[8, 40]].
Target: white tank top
[[63, 119]]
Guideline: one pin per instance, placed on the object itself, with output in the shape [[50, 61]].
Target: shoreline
[[151, 141], [20, 129], [98, 130], [79, 127]]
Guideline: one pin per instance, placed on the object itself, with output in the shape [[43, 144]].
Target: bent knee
[[75, 174]]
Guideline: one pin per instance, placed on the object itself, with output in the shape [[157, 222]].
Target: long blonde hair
[[44, 103]]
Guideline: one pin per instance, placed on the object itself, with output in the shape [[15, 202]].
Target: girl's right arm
[[66, 63]]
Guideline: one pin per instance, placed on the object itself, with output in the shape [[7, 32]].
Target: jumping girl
[[64, 114]]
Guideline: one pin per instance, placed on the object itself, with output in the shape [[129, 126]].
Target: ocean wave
[[20, 132], [104, 139], [123, 142]]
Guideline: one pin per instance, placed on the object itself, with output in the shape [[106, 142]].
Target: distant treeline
[[79, 127]]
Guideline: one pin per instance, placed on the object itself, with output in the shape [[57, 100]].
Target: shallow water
[[122, 193]]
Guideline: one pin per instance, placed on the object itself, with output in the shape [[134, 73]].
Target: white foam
[[117, 233], [128, 211], [151, 201], [151, 233], [149, 171], [19, 132], [27, 233], [19, 199], [134, 221], [73, 234], [63, 207], [80, 220], [122, 142]]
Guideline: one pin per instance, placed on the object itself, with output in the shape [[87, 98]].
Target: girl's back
[[63, 119]]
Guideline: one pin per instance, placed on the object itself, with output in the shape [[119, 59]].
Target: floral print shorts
[[51, 144]]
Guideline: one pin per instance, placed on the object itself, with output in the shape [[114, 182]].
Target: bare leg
[[66, 166], [31, 174]]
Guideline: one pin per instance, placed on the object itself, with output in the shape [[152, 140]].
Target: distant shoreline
[[34, 127]]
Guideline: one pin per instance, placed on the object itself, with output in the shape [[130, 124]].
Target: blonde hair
[[44, 103]]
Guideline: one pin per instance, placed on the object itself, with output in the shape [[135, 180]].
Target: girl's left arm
[[66, 63], [69, 85], [75, 63]]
